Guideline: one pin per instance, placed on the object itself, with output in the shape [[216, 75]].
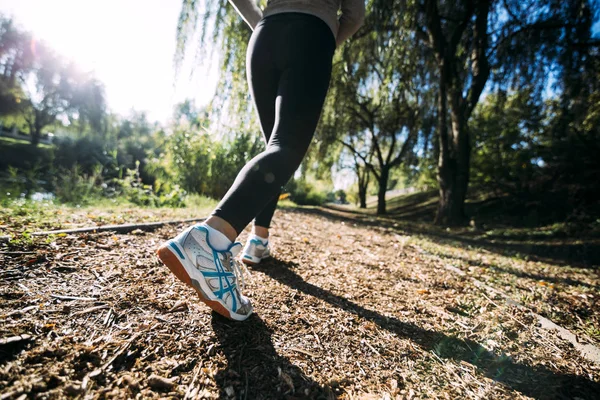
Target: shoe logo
[[225, 285]]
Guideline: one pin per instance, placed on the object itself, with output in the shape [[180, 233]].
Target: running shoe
[[255, 251], [213, 273]]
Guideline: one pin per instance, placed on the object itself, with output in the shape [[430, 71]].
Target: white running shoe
[[214, 274], [255, 251]]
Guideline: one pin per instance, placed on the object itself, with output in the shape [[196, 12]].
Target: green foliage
[[341, 196], [75, 187], [12, 187], [200, 163], [134, 190], [190, 155], [229, 157], [21, 155], [303, 192], [16, 56], [88, 153], [507, 132], [219, 28]]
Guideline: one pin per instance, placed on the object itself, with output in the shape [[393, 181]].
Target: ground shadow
[[520, 274], [254, 369], [535, 381], [585, 254], [10, 351]]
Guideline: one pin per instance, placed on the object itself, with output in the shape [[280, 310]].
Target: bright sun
[[128, 44]]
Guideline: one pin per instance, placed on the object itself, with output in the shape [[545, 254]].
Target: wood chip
[[160, 383]]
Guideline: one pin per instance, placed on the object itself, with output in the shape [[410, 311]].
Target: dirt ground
[[346, 309]]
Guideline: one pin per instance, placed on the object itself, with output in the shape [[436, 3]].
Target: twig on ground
[[101, 279], [15, 339], [108, 317], [98, 371], [369, 346], [60, 297], [190, 389], [21, 311], [308, 353], [317, 337], [91, 309], [508, 315], [125, 228]]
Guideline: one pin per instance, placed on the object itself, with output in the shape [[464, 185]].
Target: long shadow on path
[[583, 255], [254, 369], [535, 381]]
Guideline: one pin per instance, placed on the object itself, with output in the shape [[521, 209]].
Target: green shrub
[[74, 187], [305, 193], [199, 163], [23, 156], [135, 191], [86, 153]]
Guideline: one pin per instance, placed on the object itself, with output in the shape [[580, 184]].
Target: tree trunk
[[383, 181], [453, 171], [35, 131], [35, 139], [362, 195], [363, 185], [35, 134]]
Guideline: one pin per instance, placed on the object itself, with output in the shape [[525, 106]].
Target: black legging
[[288, 66]]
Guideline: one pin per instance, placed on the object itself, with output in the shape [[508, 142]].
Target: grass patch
[[22, 155], [286, 204], [27, 216], [7, 141]]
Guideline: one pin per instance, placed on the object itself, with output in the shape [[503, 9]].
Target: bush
[[74, 187], [134, 190], [87, 154], [305, 193], [23, 156], [200, 164]]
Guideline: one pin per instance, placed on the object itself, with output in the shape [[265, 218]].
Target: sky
[[129, 44]]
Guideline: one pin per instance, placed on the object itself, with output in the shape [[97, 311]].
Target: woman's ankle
[[260, 231], [222, 226]]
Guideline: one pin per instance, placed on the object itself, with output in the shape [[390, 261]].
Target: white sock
[[262, 239], [217, 240]]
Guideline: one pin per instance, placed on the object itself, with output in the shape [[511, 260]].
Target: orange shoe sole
[[171, 261]]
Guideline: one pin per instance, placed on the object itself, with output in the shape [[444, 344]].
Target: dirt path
[[343, 311]]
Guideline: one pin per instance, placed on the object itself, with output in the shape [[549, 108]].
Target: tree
[[220, 28], [515, 41], [508, 133], [88, 103], [456, 45], [375, 103], [16, 57], [42, 87]]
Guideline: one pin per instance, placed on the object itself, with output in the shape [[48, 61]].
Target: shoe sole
[[171, 261]]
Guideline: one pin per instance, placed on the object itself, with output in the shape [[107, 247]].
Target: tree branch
[[354, 151], [434, 27], [460, 28], [479, 62]]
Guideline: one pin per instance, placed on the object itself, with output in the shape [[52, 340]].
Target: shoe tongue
[[235, 248]]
